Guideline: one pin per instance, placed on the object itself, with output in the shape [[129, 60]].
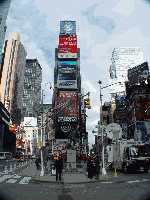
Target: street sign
[[97, 126]]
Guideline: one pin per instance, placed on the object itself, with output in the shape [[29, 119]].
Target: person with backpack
[[58, 166]]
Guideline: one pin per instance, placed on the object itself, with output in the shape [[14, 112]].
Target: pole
[[135, 137], [103, 169], [42, 169]]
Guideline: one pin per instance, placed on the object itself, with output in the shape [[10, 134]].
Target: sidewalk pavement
[[80, 176]]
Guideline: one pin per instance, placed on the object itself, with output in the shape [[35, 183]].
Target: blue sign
[[67, 63], [67, 27]]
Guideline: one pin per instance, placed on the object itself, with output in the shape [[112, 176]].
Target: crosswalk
[[14, 178]]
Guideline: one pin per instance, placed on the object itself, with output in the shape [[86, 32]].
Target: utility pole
[[42, 168], [103, 169]]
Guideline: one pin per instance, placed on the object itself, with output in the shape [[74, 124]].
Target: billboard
[[142, 109], [67, 27], [67, 72], [67, 47], [66, 63], [138, 73], [30, 121], [70, 113], [120, 100], [72, 84]]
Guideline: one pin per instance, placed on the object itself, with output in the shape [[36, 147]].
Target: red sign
[[67, 44], [142, 109], [63, 99]]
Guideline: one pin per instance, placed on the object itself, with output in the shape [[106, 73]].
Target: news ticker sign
[[68, 27], [67, 119], [63, 97], [67, 47]]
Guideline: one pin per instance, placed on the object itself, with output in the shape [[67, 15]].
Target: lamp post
[[103, 169]]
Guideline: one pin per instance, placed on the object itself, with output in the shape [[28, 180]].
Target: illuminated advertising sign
[[67, 47], [72, 84], [67, 63], [67, 27], [71, 111], [120, 100], [30, 121], [142, 109], [67, 73], [138, 73]]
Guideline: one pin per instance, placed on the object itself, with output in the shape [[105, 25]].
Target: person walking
[[97, 168], [88, 168], [91, 169], [37, 162], [58, 166]]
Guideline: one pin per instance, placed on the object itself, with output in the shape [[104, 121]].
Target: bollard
[[6, 171], [14, 166], [115, 174], [10, 168]]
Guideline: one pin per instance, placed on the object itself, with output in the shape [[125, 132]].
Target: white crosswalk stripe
[[14, 179]]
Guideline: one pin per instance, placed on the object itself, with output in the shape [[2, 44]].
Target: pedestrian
[[97, 168], [58, 166], [91, 169], [37, 162]]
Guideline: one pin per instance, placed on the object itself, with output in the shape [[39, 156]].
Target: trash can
[[52, 172]]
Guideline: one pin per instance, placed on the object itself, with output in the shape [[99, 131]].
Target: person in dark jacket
[[97, 168], [88, 168], [91, 169], [58, 166], [37, 162]]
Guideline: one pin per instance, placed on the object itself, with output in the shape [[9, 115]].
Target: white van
[[5, 155]]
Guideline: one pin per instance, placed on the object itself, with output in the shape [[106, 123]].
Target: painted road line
[[3, 178], [105, 182], [16, 176], [11, 181], [25, 180]]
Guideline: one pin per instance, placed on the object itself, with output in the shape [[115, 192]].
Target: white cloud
[[96, 109], [27, 25], [91, 86]]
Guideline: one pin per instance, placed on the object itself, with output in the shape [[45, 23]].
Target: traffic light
[[87, 103]]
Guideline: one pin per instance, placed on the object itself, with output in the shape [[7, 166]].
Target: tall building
[[11, 80], [31, 89], [67, 82], [122, 59], [4, 8]]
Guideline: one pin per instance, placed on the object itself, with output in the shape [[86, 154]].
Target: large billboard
[[142, 109], [138, 73], [67, 73], [30, 121], [120, 100], [68, 27], [67, 47], [69, 113], [72, 84]]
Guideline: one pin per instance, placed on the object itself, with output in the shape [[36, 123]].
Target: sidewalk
[[69, 177]]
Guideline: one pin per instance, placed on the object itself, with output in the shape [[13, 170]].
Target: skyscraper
[[31, 89], [4, 8], [11, 85], [123, 58]]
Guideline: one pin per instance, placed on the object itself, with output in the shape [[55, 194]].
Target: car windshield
[[1, 154], [8, 154]]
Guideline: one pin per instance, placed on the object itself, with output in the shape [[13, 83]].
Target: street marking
[[3, 178], [16, 176], [11, 181], [106, 182], [25, 180]]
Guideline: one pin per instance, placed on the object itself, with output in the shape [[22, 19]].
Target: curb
[[64, 182]]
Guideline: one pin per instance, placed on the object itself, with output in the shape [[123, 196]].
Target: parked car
[[34, 157]]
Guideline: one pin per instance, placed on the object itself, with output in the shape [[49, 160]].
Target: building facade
[[4, 8], [31, 89], [11, 85]]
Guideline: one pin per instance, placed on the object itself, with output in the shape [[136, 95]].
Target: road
[[21, 186]]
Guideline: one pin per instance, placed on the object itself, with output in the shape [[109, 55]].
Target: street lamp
[[103, 169]]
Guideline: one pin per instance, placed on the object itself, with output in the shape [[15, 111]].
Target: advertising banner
[[72, 84], [30, 121], [67, 47], [142, 109], [138, 73], [67, 27], [67, 73], [67, 63], [71, 111], [120, 100]]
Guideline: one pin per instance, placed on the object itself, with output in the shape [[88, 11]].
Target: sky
[[101, 26]]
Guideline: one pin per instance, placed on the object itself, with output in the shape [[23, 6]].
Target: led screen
[[67, 73], [63, 98], [67, 27], [67, 47]]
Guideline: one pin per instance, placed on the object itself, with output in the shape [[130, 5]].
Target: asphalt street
[[21, 186]]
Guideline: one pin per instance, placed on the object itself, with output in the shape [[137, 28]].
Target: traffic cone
[[115, 174]]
